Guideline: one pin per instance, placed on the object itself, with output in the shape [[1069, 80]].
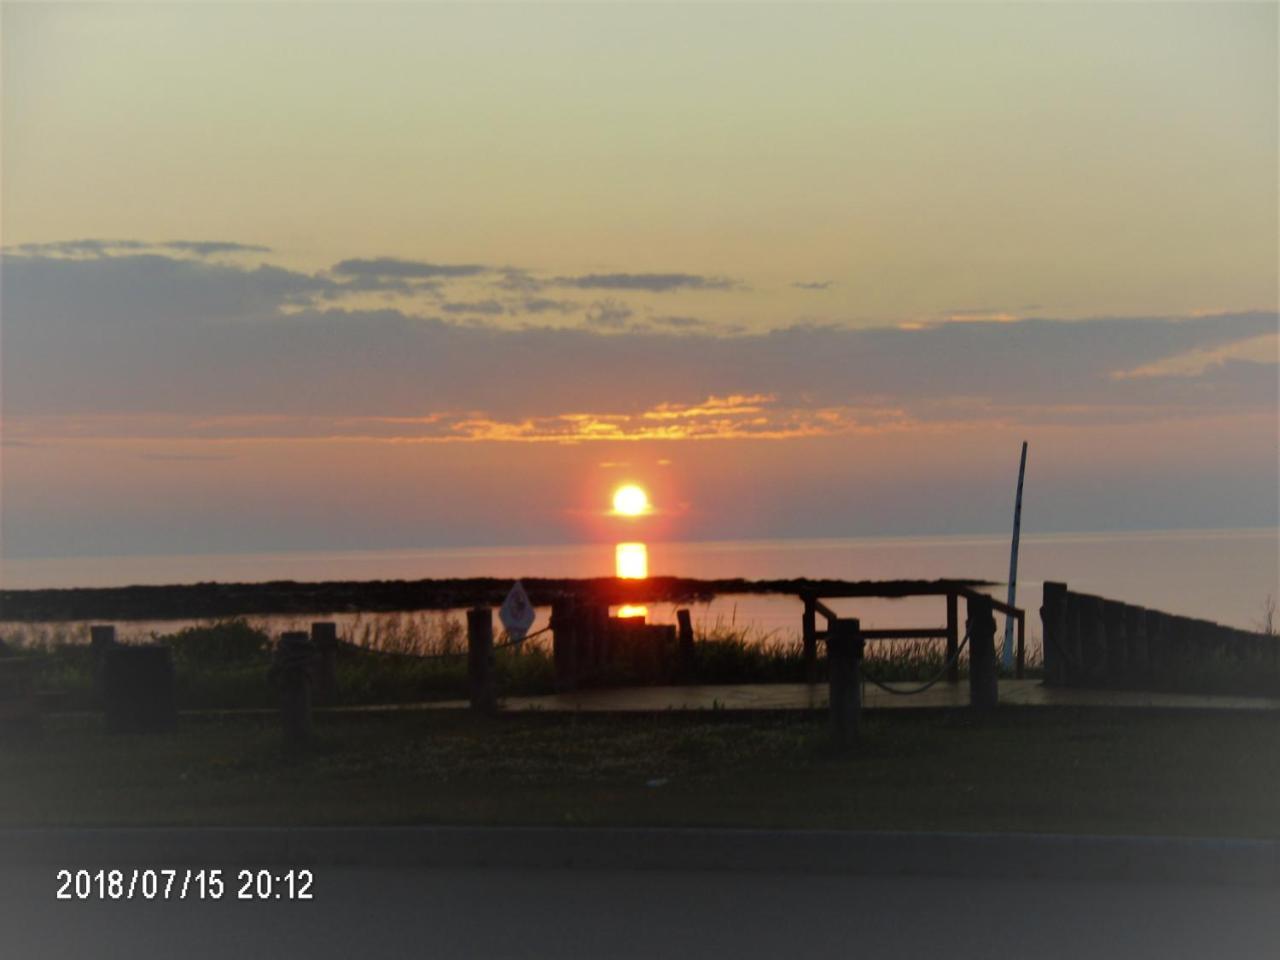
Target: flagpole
[[1013, 561]]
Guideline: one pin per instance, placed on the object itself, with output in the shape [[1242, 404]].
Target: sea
[[1228, 576]]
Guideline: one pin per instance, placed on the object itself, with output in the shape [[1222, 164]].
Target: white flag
[[516, 613]]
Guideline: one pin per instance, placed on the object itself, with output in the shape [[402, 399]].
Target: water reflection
[[629, 610], [632, 561]]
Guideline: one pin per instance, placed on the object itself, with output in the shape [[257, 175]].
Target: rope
[[925, 686], [516, 643]]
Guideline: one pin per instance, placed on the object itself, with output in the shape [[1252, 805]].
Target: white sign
[[516, 613]]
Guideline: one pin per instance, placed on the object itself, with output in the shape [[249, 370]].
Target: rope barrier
[[516, 643], [925, 686]]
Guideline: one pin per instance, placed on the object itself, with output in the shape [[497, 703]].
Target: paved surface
[[601, 914], [801, 696]]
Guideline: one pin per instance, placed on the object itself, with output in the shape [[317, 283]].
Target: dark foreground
[[1046, 769], [502, 912]]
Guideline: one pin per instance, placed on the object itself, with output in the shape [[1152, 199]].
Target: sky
[[291, 277]]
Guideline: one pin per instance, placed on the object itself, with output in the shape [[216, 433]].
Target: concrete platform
[[800, 696]]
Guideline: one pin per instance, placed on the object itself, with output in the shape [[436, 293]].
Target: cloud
[[680, 323], [114, 346], [206, 248], [547, 305], [608, 314], [814, 285], [651, 282], [107, 248], [487, 307], [392, 268]]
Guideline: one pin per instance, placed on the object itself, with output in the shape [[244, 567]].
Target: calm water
[[1222, 575]]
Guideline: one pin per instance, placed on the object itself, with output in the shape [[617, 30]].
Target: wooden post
[[325, 636], [685, 623], [1092, 645], [293, 673], [593, 642], [1176, 647], [1116, 645], [1053, 631], [102, 639], [481, 681], [844, 660], [1021, 664], [563, 644], [1157, 649], [1138, 674], [138, 689], [809, 631], [984, 691], [953, 639]]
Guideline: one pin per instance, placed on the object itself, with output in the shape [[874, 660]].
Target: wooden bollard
[[593, 640], [984, 691], [1093, 657], [325, 636], [1138, 672], [1073, 649], [1053, 630], [102, 638], [1158, 644], [481, 679], [953, 638], [684, 622], [1020, 664], [844, 681], [564, 625], [293, 673], [809, 634], [138, 689], [1116, 644]]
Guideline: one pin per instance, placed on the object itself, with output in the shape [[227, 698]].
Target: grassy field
[[1093, 771]]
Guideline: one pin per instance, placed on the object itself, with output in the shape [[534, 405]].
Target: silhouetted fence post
[[1053, 624], [481, 680], [844, 661], [292, 673], [563, 644], [138, 693], [1157, 648], [325, 636], [983, 689], [810, 635], [1138, 672], [1115, 646], [953, 638], [102, 638], [685, 623], [1093, 650], [1020, 665]]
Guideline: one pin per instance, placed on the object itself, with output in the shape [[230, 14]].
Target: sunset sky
[[284, 277]]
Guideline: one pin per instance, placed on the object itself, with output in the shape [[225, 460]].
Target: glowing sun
[[630, 501]]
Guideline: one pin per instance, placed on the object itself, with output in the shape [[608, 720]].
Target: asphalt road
[[595, 914]]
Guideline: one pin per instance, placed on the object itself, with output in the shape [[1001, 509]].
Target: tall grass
[[409, 657]]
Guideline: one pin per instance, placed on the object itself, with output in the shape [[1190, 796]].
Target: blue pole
[[1007, 657]]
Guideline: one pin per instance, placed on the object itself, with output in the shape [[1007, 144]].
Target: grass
[[1076, 770], [411, 657]]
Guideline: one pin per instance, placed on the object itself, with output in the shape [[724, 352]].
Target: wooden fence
[[897, 589], [1091, 641]]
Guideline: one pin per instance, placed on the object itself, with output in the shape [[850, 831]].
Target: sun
[[630, 501]]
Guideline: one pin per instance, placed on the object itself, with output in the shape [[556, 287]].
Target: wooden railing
[[950, 631]]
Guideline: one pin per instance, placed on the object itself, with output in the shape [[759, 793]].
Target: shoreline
[[215, 600]]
